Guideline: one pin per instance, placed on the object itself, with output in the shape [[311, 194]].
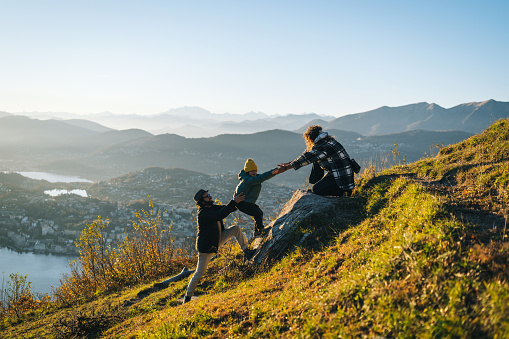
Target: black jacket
[[207, 240]]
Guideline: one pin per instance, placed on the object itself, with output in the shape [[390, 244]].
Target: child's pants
[[253, 210], [204, 258]]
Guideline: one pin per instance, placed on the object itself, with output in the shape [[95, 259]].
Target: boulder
[[302, 211]]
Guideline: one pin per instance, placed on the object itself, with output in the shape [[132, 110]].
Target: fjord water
[[43, 270]]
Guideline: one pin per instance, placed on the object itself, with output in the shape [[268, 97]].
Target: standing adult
[[331, 173], [212, 234]]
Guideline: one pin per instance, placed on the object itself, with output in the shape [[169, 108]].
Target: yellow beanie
[[250, 166]]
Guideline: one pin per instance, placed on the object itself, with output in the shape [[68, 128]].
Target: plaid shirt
[[332, 157]]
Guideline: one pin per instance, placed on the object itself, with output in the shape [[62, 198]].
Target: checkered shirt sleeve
[[332, 157]]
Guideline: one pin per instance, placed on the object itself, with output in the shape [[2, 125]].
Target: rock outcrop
[[302, 211]]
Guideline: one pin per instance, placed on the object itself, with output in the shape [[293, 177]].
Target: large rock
[[302, 210]]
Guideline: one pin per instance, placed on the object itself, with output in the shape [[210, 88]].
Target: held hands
[[285, 166], [240, 197], [277, 171], [282, 168]]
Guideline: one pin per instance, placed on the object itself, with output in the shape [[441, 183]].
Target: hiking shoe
[[262, 233], [186, 299], [248, 254]]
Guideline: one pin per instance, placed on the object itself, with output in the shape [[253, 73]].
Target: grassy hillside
[[426, 256]]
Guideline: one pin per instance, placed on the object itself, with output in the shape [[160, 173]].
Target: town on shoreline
[[33, 221]]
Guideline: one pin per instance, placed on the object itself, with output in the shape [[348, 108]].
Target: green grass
[[407, 267]]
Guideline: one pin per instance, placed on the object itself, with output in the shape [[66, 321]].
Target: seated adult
[[331, 173]]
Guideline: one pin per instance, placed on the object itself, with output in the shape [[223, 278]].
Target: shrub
[[145, 254], [17, 299]]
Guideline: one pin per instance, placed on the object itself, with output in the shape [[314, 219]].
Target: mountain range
[[472, 117], [196, 122], [89, 149]]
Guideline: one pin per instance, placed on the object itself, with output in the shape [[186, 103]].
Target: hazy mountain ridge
[[115, 153], [90, 125], [197, 122], [200, 113], [14, 128], [192, 121], [85, 148], [211, 126]]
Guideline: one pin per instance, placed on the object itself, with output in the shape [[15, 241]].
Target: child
[[250, 185]]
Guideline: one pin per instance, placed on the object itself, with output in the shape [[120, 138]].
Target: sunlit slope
[[410, 268], [418, 260]]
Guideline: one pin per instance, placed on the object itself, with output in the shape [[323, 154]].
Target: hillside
[[420, 251]]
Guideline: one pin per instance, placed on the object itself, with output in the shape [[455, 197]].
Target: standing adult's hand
[[239, 197]]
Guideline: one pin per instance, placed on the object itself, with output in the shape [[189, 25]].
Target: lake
[[57, 192], [52, 177], [44, 270]]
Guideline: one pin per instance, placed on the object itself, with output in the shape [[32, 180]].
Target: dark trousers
[[323, 184], [253, 210]]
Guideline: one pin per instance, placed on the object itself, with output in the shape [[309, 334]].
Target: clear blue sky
[[278, 57]]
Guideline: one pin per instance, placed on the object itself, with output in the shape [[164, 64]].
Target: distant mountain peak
[[490, 101], [478, 103], [468, 117]]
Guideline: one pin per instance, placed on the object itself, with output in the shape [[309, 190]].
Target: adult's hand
[[285, 165], [278, 170], [240, 197]]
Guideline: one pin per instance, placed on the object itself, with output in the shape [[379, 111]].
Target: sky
[[277, 57]]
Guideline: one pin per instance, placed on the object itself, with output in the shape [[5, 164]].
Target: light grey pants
[[204, 258]]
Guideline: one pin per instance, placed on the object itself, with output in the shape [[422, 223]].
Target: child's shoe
[[248, 254], [261, 233]]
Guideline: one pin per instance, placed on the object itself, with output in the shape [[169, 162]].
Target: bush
[[17, 299], [145, 254]]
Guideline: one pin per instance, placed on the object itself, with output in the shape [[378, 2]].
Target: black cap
[[199, 194]]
